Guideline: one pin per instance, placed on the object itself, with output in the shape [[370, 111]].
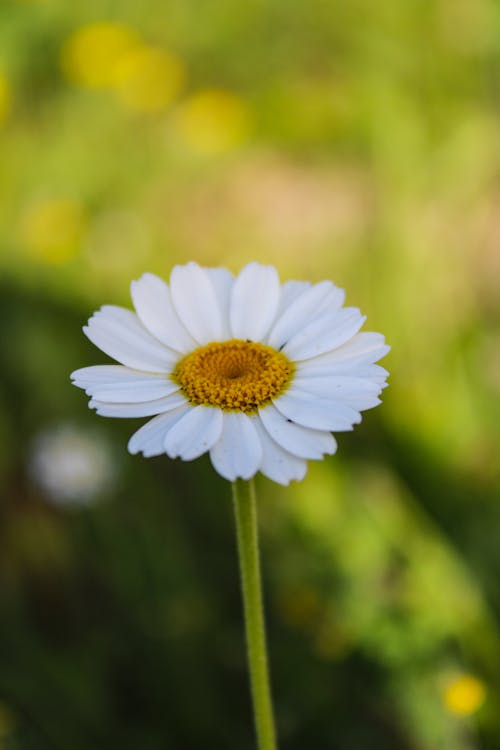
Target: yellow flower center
[[234, 375]]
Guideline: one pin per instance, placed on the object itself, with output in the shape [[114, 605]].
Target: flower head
[[257, 373]]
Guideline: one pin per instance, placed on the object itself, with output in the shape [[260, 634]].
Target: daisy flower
[[255, 372]]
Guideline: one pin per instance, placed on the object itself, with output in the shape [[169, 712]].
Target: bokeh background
[[354, 141]]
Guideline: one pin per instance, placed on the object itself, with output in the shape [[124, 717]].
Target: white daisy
[[255, 372]]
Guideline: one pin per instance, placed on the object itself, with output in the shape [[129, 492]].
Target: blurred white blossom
[[71, 465]]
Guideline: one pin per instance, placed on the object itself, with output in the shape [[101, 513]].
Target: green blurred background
[[354, 141]]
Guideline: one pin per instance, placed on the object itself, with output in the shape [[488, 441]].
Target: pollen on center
[[234, 375]]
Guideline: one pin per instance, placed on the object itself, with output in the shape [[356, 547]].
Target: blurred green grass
[[356, 142]]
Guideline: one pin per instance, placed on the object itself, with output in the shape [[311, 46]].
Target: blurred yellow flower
[[5, 97], [464, 695], [214, 121], [92, 53], [52, 229], [147, 79]]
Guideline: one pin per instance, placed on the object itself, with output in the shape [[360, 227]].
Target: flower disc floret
[[233, 375]]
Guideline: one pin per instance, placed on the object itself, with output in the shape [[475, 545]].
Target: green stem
[[248, 549]]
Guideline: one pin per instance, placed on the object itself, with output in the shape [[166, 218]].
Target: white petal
[[324, 334], [150, 438], [332, 302], [120, 334], [238, 452], [364, 348], [222, 281], [118, 384], [300, 441], [314, 367], [195, 301], [320, 414], [145, 409], [194, 434], [356, 392], [301, 312], [375, 373], [153, 302], [278, 464], [97, 375], [337, 385], [290, 290], [254, 301], [133, 394]]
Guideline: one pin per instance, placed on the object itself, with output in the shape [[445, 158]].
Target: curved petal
[[277, 464], [150, 438], [358, 393], [324, 334], [143, 409], [238, 452], [301, 312], [254, 301], [337, 385], [222, 281], [120, 334], [332, 302], [118, 384], [195, 433], [153, 302], [195, 302], [363, 348], [303, 442], [312, 368], [290, 290], [319, 414]]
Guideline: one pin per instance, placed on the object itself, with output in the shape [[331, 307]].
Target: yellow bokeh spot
[[148, 79], [464, 695], [214, 121], [92, 54], [5, 97], [52, 229]]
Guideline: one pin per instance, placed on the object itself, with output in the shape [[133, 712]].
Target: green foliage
[[353, 141]]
